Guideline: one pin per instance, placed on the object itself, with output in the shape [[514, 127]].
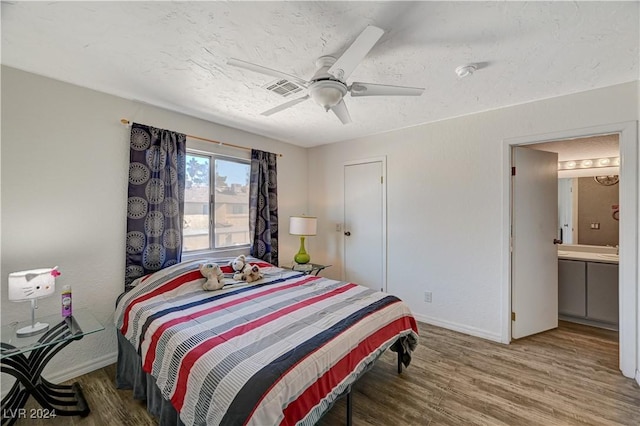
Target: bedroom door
[[365, 223], [534, 229]]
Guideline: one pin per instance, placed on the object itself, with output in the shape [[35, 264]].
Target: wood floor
[[567, 376]]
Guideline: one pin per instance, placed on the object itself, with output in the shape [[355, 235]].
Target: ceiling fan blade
[[285, 105], [341, 111], [264, 70], [355, 53], [370, 89]]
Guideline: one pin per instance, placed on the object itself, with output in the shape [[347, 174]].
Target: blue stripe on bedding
[[257, 385], [177, 308]]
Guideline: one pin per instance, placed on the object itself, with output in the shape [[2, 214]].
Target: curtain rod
[[128, 123]]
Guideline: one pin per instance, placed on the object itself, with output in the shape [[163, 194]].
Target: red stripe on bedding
[[170, 285], [322, 387], [155, 337], [194, 354]]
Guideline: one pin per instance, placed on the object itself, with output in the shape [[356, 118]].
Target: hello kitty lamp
[[30, 286]]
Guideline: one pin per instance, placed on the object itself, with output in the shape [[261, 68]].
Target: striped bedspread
[[278, 351]]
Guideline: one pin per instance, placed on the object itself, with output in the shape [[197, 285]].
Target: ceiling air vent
[[283, 87]]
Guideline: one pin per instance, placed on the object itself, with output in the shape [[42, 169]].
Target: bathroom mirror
[[588, 210]]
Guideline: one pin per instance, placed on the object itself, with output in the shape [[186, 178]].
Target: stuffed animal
[[249, 274], [214, 276], [238, 263]]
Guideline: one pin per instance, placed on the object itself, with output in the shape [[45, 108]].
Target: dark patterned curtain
[[263, 206], [155, 204]]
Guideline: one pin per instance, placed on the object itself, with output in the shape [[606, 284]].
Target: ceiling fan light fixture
[[327, 93], [466, 70]]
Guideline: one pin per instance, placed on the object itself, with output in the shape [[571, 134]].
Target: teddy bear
[[249, 274], [214, 276], [238, 263]]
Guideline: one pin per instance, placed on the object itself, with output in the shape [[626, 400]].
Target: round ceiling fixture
[[466, 70], [607, 180], [327, 93]]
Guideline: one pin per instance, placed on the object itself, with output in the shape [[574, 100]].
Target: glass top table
[[307, 268], [80, 324], [26, 357]]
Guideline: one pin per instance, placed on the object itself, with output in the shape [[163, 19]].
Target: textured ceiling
[[583, 148], [173, 55]]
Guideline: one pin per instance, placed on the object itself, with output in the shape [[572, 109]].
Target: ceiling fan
[[328, 85]]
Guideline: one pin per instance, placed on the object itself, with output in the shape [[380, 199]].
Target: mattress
[[280, 350]]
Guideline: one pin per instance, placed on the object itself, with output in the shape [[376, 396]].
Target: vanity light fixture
[[589, 163], [604, 162]]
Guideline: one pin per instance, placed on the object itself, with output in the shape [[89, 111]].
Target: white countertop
[[589, 257]]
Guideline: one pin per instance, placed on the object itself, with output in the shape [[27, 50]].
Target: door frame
[[629, 224], [382, 160]]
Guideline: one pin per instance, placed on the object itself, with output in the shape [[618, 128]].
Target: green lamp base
[[302, 257]]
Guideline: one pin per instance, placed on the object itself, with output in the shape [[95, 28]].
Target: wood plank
[[567, 376]]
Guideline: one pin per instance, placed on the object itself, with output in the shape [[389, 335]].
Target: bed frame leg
[[349, 409]]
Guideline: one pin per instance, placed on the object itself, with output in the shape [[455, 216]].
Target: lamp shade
[[327, 93], [32, 284], [303, 225]]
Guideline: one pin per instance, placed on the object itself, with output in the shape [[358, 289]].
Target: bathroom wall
[[595, 205]]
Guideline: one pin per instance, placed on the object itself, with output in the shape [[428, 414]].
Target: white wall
[[445, 206], [64, 160], [64, 181], [638, 252]]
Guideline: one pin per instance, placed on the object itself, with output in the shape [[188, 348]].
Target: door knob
[[347, 233], [557, 241]]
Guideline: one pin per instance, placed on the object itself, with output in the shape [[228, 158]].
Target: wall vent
[[283, 87]]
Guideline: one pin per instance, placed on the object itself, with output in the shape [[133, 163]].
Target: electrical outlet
[[427, 296], [338, 227]]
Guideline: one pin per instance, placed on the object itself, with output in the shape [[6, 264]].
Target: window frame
[[212, 155]]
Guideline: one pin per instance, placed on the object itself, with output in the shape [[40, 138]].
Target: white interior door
[[364, 261], [534, 227], [565, 210]]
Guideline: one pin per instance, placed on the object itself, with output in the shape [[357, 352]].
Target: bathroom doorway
[[628, 298], [588, 226]]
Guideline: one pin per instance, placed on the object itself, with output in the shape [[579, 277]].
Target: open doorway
[[628, 213], [588, 226]]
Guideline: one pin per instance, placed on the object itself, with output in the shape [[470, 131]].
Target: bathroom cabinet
[[602, 292], [572, 289], [588, 291]]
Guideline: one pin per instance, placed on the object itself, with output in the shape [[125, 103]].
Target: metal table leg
[[56, 400]]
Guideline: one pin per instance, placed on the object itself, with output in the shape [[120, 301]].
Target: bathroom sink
[[608, 256]]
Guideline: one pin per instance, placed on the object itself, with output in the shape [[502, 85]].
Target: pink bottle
[[66, 301]]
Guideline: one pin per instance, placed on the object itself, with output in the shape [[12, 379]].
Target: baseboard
[[77, 370], [472, 331], [84, 368], [592, 323]]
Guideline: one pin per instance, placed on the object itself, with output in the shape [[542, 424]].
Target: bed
[[277, 351]]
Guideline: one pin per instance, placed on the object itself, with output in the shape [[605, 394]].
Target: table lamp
[[30, 286], [303, 226]]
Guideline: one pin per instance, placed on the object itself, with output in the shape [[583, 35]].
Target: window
[[216, 202]]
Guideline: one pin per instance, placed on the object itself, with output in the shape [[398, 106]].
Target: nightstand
[[25, 358], [308, 268]]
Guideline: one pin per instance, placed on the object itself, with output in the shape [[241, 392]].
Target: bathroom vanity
[[588, 285]]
